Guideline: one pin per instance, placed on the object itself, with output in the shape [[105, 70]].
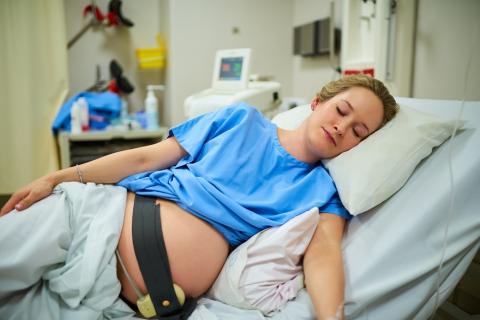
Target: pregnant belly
[[196, 251]]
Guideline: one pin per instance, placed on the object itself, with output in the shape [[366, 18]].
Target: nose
[[339, 129]]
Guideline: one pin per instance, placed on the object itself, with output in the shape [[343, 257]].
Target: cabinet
[[83, 147]]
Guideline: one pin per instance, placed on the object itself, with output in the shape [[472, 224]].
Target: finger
[[12, 202], [27, 201]]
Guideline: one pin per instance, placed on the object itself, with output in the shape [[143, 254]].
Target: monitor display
[[231, 68], [230, 71]]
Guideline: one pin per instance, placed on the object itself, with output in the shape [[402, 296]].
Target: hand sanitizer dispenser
[[151, 106]]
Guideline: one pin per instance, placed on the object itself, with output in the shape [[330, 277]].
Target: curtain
[[33, 85]]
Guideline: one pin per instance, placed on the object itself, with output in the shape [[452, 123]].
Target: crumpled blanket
[[58, 256]]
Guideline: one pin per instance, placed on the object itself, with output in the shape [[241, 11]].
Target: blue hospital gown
[[237, 176]]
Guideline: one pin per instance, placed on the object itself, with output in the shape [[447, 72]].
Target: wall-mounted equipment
[[313, 39], [369, 31], [113, 18]]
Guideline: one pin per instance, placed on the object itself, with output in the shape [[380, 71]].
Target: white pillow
[[265, 272], [291, 119], [380, 165]]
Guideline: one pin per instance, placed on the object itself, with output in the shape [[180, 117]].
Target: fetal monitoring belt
[[165, 299]]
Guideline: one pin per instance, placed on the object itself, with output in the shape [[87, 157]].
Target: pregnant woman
[[213, 183]]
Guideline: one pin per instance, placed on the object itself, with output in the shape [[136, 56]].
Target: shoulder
[[241, 108], [241, 112]]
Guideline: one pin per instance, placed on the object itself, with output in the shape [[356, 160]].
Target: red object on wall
[[367, 71], [350, 72]]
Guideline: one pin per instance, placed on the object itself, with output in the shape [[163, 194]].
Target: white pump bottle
[[151, 106]]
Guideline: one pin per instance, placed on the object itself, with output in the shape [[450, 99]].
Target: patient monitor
[[231, 84]]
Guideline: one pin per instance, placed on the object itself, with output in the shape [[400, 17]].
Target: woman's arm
[[323, 267], [108, 169]]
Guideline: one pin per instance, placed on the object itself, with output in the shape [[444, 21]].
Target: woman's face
[[342, 122]]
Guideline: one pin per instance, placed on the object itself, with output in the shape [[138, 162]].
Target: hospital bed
[[392, 252]]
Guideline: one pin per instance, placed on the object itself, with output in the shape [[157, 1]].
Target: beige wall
[[447, 34], [33, 82]]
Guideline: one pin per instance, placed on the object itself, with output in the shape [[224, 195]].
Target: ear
[[315, 102]]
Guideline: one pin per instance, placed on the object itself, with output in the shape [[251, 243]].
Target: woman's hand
[[28, 195]]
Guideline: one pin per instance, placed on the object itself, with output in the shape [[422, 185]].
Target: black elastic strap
[[152, 258]]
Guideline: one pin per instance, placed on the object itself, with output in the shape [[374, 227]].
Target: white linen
[[265, 272], [58, 258], [292, 118], [392, 252]]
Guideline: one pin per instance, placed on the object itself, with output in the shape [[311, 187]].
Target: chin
[[332, 153], [329, 156], [324, 152]]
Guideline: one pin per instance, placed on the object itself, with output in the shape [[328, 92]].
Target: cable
[[138, 293], [450, 170]]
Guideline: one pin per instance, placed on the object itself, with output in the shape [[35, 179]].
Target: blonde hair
[[331, 89]]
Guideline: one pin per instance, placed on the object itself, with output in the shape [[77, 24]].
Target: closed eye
[[359, 132], [356, 134], [340, 112]]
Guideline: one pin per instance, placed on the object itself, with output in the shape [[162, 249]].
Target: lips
[[329, 136]]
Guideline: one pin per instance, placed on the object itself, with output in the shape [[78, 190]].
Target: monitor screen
[[313, 39], [231, 68], [304, 39]]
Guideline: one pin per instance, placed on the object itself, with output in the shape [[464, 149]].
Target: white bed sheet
[[392, 252]]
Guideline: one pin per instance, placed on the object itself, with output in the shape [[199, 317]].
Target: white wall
[[197, 29], [99, 46], [444, 41], [309, 74]]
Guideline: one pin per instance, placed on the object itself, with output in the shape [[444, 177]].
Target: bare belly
[[196, 251]]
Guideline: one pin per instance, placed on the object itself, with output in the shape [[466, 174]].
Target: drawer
[[80, 148]]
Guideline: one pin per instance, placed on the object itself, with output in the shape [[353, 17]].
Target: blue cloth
[[237, 176], [102, 108]]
